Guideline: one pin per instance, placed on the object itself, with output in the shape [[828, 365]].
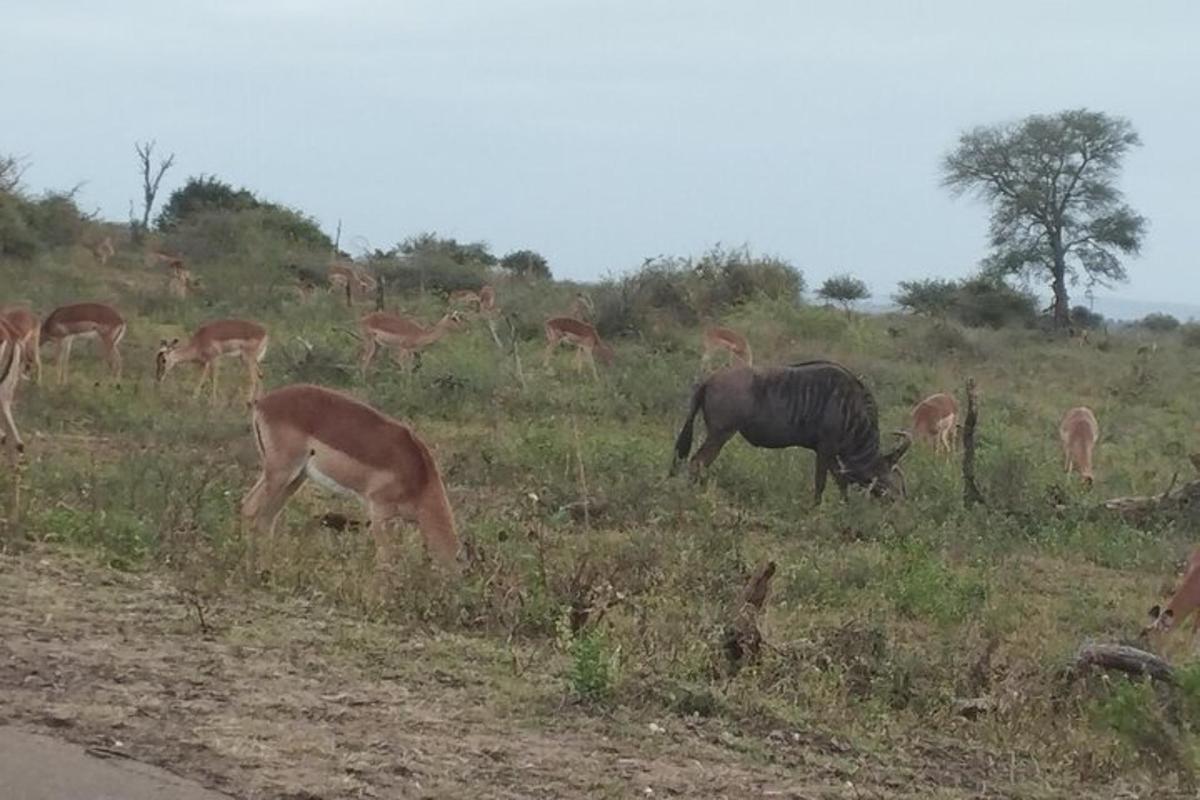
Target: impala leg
[[64, 356], [11, 436], [112, 354], [551, 344], [203, 377], [262, 504], [591, 359], [215, 364], [369, 348]]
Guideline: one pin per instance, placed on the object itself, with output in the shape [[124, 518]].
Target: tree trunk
[[1062, 303]]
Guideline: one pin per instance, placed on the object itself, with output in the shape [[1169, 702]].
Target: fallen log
[[1123, 658], [1175, 501]]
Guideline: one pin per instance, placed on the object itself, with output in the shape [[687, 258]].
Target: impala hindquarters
[[936, 419], [10, 376], [28, 329], [305, 431], [1079, 432], [818, 405]]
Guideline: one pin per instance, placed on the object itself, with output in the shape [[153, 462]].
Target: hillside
[[580, 653]]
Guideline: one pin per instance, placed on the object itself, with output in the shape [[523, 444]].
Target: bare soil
[[289, 699]]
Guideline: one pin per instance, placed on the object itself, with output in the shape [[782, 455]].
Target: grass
[[882, 617]]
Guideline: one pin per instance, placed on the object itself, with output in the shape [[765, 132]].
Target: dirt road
[[36, 767]]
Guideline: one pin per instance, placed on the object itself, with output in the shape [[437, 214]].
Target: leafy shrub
[[1158, 322], [204, 197], [933, 297], [986, 302], [1189, 334], [1084, 317]]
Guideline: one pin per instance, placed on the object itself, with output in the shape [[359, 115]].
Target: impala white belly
[[320, 478]]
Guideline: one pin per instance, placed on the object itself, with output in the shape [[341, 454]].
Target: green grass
[[878, 611]]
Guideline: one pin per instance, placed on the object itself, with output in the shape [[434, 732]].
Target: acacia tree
[[1056, 210], [844, 289]]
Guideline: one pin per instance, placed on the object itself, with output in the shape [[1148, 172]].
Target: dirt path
[[36, 767], [292, 700]]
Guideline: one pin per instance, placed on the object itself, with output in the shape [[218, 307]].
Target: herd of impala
[[306, 431]]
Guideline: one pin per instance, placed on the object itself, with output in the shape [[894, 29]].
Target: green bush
[[1189, 334], [1159, 323]]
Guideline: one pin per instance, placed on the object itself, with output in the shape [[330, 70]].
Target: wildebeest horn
[[902, 448]]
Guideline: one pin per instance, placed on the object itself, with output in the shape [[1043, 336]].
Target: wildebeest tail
[[683, 443]]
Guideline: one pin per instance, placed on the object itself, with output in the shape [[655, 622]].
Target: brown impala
[[729, 340], [10, 375], [401, 335], [1185, 601], [936, 418], [307, 431], [560, 330], [65, 323], [213, 341], [483, 301], [1079, 432], [28, 329]]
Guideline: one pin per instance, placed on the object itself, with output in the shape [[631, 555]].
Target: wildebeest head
[[882, 475]]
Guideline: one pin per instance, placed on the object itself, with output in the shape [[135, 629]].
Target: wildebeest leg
[[708, 452], [819, 477]]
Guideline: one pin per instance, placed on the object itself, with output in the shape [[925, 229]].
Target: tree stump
[[742, 640], [971, 494]]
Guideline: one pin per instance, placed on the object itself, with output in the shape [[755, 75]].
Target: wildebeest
[[819, 405]]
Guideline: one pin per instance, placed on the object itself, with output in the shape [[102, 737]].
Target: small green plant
[[593, 662]]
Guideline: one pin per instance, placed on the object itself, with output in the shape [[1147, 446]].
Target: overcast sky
[[602, 132]]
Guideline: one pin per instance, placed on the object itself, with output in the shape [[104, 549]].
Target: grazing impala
[[159, 258], [102, 250], [401, 335], [348, 277], [211, 342], [483, 301], [936, 418], [1079, 432], [181, 283], [583, 336], [103, 322], [728, 340], [307, 431], [581, 307], [1185, 601], [27, 327], [10, 375]]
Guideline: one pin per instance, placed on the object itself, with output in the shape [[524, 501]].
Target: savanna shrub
[[1189, 334]]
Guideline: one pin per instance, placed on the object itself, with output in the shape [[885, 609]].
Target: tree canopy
[[1056, 209], [527, 264], [844, 289]]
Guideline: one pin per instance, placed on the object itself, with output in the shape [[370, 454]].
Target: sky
[[601, 133]]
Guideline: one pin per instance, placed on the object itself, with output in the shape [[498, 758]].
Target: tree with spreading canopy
[[844, 289], [1056, 209], [526, 264]]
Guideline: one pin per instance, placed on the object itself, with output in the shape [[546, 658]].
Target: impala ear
[[1155, 611], [175, 342], [162, 342]]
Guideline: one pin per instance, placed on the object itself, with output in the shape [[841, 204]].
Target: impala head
[[454, 321], [1162, 620], [162, 360], [605, 353]]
